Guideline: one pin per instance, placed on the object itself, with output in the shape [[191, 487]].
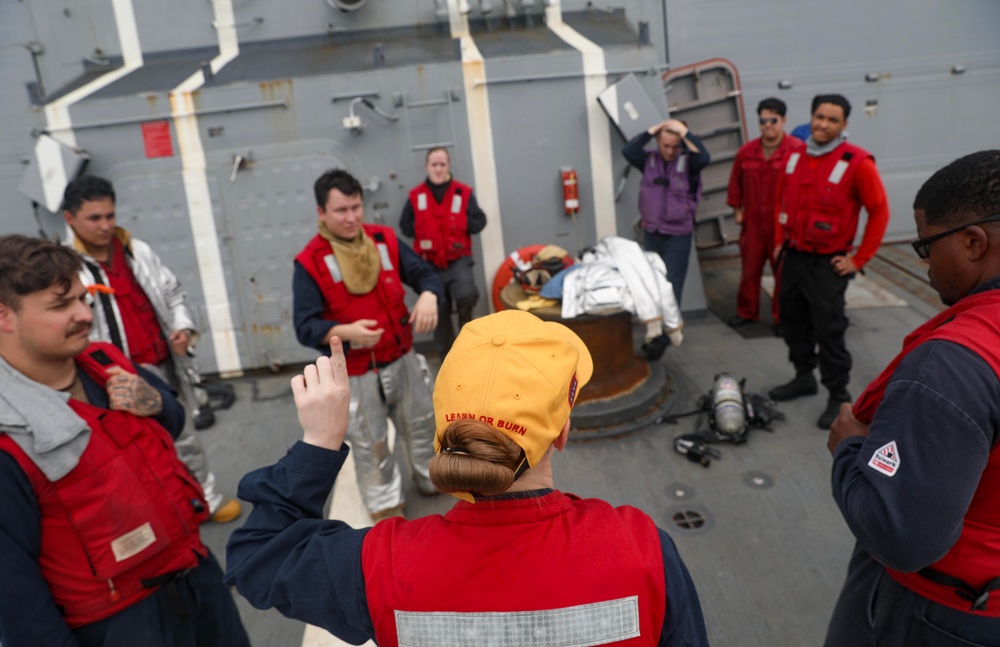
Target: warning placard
[[156, 139]]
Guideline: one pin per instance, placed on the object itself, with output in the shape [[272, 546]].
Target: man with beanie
[[348, 283], [515, 562], [821, 193]]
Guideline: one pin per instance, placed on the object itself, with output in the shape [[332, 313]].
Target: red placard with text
[[156, 139]]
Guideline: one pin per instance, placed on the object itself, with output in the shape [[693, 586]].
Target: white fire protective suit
[[169, 301], [618, 275], [402, 392]]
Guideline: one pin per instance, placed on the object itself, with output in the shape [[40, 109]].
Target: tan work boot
[[228, 511], [382, 515]]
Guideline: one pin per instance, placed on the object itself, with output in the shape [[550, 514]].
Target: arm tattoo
[[138, 397]]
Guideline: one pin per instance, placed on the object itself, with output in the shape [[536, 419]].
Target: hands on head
[[323, 399], [674, 126]]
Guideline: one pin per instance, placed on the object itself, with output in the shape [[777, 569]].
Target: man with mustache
[[99, 542]]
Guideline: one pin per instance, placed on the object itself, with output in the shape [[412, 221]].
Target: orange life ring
[[505, 273]]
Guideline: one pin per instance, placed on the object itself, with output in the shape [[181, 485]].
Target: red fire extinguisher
[[571, 192]]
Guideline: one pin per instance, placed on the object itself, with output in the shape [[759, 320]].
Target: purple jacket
[[666, 202]]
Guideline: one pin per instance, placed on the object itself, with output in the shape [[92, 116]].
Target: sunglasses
[[768, 121], [923, 246]]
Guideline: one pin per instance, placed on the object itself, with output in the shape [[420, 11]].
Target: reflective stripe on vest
[[598, 623]]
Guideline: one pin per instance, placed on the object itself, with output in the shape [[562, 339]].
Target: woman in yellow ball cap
[[514, 562]]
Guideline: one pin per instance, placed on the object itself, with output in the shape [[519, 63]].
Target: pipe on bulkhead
[[346, 5]]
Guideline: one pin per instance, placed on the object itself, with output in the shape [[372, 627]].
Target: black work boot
[[803, 384], [655, 348], [830, 414], [204, 418], [833, 408]]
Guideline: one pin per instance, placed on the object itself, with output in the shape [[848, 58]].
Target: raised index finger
[[338, 363]]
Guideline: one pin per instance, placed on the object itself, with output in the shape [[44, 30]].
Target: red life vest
[[975, 557], [573, 561], [142, 331], [819, 203], [386, 303], [441, 228], [129, 511]]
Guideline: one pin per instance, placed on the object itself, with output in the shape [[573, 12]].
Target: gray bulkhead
[[231, 204]]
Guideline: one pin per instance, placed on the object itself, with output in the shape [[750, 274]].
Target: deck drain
[[680, 491], [758, 480], [690, 519]]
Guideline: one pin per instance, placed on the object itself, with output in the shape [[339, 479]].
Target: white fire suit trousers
[[188, 445], [401, 391]]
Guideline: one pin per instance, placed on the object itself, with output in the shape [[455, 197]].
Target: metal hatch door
[[268, 215], [708, 98]]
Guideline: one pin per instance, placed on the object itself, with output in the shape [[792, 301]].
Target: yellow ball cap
[[515, 372]]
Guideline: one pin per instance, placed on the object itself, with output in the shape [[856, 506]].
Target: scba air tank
[[729, 414]]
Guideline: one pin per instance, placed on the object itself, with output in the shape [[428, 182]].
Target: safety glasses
[[923, 246]]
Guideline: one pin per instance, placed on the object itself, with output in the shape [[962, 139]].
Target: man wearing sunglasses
[[753, 184], [820, 196], [916, 460]]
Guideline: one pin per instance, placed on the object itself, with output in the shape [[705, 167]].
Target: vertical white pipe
[[477, 105], [598, 134], [194, 174]]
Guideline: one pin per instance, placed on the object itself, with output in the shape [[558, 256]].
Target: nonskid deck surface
[[758, 528]]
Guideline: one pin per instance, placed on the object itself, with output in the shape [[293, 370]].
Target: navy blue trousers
[[675, 252], [812, 316], [459, 291], [195, 611], [874, 610]]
